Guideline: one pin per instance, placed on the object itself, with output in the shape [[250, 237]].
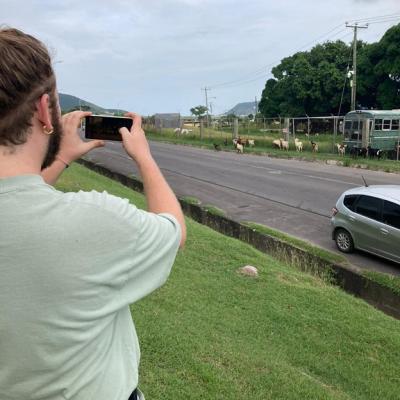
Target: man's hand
[[72, 146], [134, 141]]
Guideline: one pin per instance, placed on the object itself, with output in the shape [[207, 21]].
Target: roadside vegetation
[[212, 333], [264, 146], [301, 244]]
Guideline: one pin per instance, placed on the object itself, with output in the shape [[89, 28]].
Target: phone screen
[[105, 127]]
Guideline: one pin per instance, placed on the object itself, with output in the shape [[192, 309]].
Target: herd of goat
[[355, 152], [239, 144]]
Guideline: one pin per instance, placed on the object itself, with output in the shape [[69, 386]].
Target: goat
[[184, 131], [341, 148], [284, 144], [277, 143], [217, 147], [239, 148], [298, 144], [314, 147], [177, 131], [358, 151], [372, 153], [250, 142]]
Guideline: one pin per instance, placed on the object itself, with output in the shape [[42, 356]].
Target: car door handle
[[384, 231]]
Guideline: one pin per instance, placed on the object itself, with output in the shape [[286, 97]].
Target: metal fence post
[[286, 128], [235, 131], [201, 129]]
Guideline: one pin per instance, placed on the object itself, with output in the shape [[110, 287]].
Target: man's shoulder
[[99, 201]]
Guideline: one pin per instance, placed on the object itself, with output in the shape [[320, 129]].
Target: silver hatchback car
[[368, 218]]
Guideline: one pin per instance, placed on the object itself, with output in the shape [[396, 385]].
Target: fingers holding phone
[[72, 146], [134, 140]]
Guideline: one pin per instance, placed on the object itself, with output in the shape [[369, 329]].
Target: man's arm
[[159, 196], [72, 146]]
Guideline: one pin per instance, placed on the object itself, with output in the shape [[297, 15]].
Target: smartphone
[[105, 127]]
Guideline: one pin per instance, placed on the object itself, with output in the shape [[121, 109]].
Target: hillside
[[242, 109], [69, 102]]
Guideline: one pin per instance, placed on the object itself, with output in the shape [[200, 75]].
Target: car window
[[369, 207], [350, 200], [391, 214]]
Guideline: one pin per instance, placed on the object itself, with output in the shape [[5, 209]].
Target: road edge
[[348, 277]]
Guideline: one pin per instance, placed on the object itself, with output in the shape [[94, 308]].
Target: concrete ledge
[[348, 278]]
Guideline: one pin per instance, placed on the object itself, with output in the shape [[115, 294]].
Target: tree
[[307, 82], [379, 71], [312, 82], [199, 111]]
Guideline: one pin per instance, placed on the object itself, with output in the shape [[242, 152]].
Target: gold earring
[[47, 131]]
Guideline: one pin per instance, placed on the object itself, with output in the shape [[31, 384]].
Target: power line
[[262, 69], [364, 20], [261, 72]]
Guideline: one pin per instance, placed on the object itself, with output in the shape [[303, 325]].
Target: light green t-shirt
[[70, 265]]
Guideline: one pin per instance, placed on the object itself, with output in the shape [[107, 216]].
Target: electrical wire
[[261, 72]]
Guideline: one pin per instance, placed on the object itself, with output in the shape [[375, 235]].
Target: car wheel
[[344, 241]]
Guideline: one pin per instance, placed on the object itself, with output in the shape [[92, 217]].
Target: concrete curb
[[347, 277]]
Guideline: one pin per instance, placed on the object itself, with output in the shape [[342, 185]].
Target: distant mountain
[[68, 102], [242, 109]]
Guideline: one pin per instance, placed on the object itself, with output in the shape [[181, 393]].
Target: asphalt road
[[295, 197]]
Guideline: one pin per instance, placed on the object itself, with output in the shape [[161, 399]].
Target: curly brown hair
[[26, 74]]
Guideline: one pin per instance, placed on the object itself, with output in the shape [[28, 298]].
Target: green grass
[[214, 210], [317, 251], [191, 200], [390, 281], [264, 147], [210, 333]]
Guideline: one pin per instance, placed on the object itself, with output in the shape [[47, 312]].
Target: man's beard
[[55, 138]]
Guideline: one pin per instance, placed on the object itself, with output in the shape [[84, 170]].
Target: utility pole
[[354, 72], [256, 109], [205, 92]]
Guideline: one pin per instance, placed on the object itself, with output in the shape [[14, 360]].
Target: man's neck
[[17, 163]]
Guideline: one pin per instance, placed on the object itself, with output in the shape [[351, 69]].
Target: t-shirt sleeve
[[153, 254], [134, 248]]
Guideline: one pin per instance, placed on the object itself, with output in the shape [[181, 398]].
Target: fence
[[327, 130]]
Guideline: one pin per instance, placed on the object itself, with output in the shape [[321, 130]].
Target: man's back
[[70, 264]]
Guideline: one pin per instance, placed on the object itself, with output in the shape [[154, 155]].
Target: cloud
[[153, 55]]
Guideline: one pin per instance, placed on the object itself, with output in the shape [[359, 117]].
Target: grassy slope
[[212, 334]]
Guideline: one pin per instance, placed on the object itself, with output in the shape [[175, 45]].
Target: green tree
[[307, 82], [199, 111], [379, 72]]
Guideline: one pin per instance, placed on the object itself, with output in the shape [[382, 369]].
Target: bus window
[[395, 124], [360, 125], [378, 125], [386, 125], [355, 136], [347, 125]]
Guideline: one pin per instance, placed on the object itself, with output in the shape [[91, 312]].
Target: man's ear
[[43, 111]]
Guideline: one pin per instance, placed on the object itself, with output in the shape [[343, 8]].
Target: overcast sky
[[154, 56]]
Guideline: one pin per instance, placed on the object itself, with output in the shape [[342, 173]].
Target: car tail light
[[334, 211]]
